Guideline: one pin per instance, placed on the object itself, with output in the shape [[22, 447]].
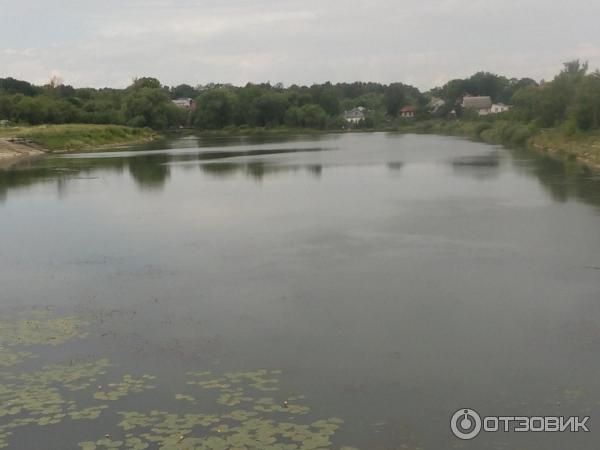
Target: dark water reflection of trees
[[152, 170], [563, 181]]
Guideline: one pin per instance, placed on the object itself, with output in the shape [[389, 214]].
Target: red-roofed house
[[407, 112]]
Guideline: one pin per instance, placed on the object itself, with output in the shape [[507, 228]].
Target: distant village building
[[483, 105], [185, 103], [4, 123], [408, 112], [498, 108], [355, 115]]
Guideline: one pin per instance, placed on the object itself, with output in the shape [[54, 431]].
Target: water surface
[[392, 279]]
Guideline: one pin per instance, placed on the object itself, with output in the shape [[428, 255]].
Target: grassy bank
[[557, 142], [78, 137]]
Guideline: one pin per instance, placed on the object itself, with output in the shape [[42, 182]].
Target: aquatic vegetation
[[257, 380], [125, 387], [242, 416], [42, 330], [38, 398], [264, 424], [10, 357], [172, 431]]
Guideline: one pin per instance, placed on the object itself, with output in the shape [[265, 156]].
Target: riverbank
[[18, 143], [13, 151], [555, 142]]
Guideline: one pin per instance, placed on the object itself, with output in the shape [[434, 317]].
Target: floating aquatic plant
[[265, 423], [43, 330], [127, 386], [244, 416], [38, 398]]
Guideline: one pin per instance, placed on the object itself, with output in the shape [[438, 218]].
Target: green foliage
[[499, 88], [329, 101], [77, 136], [394, 99], [216, 109], [314, 116], [144, 104], [270, 109], [12, 86], [184, 91], [571, 99], [586, 110], [147, 105]]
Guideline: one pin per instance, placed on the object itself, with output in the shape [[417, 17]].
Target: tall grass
[[75, 137]]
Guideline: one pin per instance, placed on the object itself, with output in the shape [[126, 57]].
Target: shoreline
[[555, 143], [25, 143], [13, 152]]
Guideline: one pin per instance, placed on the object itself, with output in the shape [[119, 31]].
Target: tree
[[12, 86], [294, 117], [586, 110], [329, 101], [151, 107], [314, 116], [216, 109], [145, 82], [184, 91], [271, 108], [394, 99]]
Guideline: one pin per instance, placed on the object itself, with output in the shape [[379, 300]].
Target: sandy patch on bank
[[14, 150]]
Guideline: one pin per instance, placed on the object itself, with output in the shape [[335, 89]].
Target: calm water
[[391, 278]]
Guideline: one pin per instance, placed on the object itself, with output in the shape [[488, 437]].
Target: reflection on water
[[150, 166], [304, 292], [477, 166], [257, 170], [563, 180]]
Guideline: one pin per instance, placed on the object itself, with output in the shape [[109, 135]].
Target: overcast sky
[[420, 42]]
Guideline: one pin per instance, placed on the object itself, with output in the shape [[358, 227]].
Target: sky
[[420, 42]]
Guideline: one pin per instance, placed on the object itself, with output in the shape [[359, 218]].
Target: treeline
[[317, 106], [147, 103], [572, 99], [143, 104]]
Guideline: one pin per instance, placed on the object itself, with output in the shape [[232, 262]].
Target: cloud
[[422, 43]]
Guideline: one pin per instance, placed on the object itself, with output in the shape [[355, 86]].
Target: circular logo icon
[[466, 424]]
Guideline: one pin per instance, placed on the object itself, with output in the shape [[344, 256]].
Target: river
[[320, 291]]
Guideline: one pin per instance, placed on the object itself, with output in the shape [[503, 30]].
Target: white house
[[483, 105], [498, 108], [355, 115], [185, 103]]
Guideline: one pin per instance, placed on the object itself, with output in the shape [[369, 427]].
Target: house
[[355, 115], [483, 105], [498, 108], [185, 103], [408, 112], [4, 123]]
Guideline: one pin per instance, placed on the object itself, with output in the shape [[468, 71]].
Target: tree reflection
[[150, 171]]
